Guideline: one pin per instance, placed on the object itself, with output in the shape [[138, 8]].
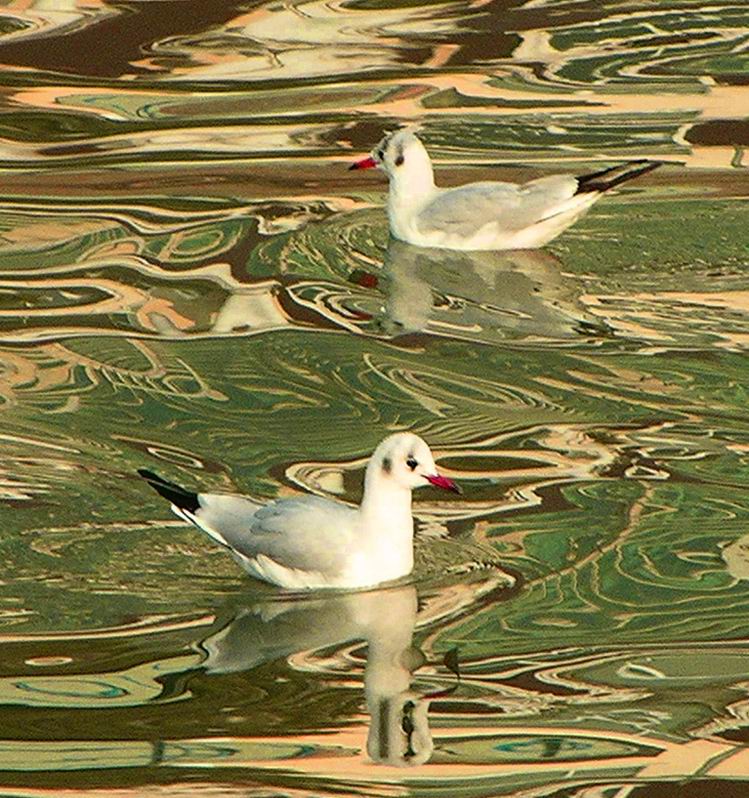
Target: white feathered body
[[313, 542], [488, 215], [280, 542], [484, 215]]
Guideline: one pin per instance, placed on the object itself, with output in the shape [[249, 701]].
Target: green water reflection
[[191, 281]]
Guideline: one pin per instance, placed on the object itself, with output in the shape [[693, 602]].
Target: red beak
[[366, 163], [443, 482]]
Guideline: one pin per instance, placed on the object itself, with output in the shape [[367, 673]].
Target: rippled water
[[190, 281]]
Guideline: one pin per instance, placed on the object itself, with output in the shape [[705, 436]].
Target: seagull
[[310, 542], [485, 215]]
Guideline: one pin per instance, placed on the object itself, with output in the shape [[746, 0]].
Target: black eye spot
[[399, 160], [387, 465], [381, 154], [411, 462]]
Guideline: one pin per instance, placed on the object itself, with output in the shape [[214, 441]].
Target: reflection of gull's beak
[[443, 482], [365, 163]]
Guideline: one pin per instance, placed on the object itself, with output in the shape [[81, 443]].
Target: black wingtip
[[615, 175], [179, 497]]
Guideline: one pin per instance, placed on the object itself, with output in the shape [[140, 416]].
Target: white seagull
[[311, 542], [485, 215]]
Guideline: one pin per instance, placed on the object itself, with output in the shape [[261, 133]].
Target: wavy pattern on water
[[562, 472], [610, 715], [141, 271], [176, 283], [648, 77], [190, 281]]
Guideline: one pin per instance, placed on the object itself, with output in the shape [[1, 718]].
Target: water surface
[[191, 281]]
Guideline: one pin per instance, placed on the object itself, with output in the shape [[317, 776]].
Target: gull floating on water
[[485, 215], [313, 542]]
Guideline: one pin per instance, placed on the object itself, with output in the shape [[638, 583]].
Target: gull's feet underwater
[[485, 215], [311, 542]]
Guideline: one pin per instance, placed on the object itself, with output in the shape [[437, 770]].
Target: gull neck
[[384, 501]]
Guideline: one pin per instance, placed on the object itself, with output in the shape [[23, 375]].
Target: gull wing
[[282, 541], [308, 533], [465, 210]]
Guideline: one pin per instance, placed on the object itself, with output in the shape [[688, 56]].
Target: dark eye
[[411, 462], [381, 154], [399, 160]]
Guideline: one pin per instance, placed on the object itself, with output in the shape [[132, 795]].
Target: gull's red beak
[[366, 163], [443, 482]]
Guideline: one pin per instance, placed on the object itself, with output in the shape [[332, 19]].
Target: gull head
[[404, 460], [401, 155]]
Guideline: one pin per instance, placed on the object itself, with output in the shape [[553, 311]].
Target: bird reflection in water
[[384, 619], [516, 293]]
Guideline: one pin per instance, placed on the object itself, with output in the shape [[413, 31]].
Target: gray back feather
[[464, 211], [309, 532]]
